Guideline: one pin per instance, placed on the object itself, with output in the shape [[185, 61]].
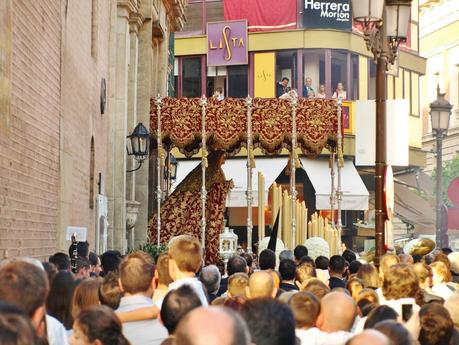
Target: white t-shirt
[[56, 332], [442, 290], [396, 304], [380, 294], [315, 336], [145, 332], [195, 284]]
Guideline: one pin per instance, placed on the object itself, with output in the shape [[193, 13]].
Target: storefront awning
[[355, 194], [236, 169], [417, 180], [414, 210]]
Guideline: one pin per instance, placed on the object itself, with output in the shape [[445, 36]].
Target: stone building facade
[[75, 79], [138, 70], [439, 44]]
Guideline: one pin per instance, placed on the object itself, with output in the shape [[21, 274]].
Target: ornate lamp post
[[382, 35], [440, 112], [137, 144]]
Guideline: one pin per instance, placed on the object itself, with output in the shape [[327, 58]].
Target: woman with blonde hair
[[441, 280], [354, 286], [369, 275], [385, 263], [400, 287]]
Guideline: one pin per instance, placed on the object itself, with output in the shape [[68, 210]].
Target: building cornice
[[300, 39], [175, 10], [136, 20], [428, 138], [130, 5]]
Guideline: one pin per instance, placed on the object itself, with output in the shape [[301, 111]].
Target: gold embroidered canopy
[[226, 124]]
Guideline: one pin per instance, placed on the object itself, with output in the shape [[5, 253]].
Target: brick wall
[[54, 112], [84, 64], [29, 160]]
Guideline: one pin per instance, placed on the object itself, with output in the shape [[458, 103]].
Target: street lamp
[[385, 25], [172, 167], [440, 112], [170, 173], [137, 145]]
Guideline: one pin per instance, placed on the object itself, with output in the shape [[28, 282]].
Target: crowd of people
[[265, 299]]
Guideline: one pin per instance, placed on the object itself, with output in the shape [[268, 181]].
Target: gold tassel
[[340, 157], [161, 157], [204, 158], [252, 158], [296, 160]]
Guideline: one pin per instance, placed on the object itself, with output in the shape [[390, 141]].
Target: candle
[[261, 206]]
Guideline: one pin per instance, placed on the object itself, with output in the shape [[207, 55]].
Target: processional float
[[211, 126]]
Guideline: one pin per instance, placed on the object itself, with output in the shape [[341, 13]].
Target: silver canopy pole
[[158, 168]]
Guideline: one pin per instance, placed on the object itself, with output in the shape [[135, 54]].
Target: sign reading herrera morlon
[[227, 43], [327, 14]]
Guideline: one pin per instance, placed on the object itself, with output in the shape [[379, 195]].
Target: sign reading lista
[[327, 14], [227, 43]]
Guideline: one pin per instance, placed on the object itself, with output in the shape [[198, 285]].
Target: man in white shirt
[[137, 284], [335, 320]]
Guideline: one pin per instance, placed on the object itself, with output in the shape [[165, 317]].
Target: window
[[174, 92], [353, 89], [194, 18], [238, 81], [407, 86], [371, 79], [94, 28], [390, 87], [191, 74], [286, 67], [314, 67], [216, 78], [91, 174], [399, 84], [339, 70], [214, 10], [414, 94]]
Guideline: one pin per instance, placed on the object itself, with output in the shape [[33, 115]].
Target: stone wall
[[85, 48]]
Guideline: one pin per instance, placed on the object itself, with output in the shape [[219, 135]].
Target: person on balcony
[[281, 87], [321, 93], [339, 92], [308, 90]]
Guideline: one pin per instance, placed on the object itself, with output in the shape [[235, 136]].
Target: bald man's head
[[212, 325], [369, 336], [261, 284], [337, 312]]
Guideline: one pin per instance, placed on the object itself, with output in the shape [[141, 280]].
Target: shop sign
[[227, 43], [327, 14]]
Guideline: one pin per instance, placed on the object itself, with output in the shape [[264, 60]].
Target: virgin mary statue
[[181, 212]]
